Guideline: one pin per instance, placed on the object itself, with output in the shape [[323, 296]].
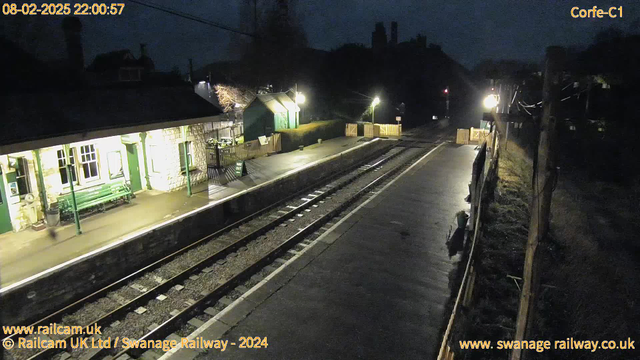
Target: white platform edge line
[[214, 319], [138, 233]]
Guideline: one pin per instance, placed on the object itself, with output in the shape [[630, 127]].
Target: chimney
[[72, 28], [378, 37], [143, 50], [191, 71], [394, 33]]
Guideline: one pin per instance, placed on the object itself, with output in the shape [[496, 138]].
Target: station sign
[[241, 168]]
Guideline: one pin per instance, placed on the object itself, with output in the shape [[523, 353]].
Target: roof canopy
[[29, 117], [278, 102]]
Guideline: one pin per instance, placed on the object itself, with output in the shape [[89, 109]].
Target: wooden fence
[[390, 130], [228, 156], [478, 136], [484, 171], [473, 136], [377, 130], [462, 137]]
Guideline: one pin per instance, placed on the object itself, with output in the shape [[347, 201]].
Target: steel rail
[[121, 311], [166, 328], [57, 315]]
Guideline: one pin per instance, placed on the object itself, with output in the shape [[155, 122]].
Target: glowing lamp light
[[300, 98], [446, 91], [490, 101], [375, 102]]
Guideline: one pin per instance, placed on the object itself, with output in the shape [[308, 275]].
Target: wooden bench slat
[[93, 196]]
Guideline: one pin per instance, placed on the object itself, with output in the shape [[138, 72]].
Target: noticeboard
[[241, 168]]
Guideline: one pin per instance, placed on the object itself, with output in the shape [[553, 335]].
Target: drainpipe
[[43, 191], [143, 138], [186, 159], [76, 217]]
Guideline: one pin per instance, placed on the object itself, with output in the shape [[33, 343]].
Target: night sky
[[469, 31]]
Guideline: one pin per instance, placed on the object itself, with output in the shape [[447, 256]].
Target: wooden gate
[[351, 130], [462, 137], [371, 130]]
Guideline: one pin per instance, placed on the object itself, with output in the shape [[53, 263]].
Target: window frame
[[119, 174], [62, 169], [23, 163], [92, 157]]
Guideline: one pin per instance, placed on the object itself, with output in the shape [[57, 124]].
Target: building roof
[[277, 102], [31, 117], [115, 60]]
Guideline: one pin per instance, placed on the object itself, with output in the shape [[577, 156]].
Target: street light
[[375, 102], [300, 99], [490, 101], [446, 92]]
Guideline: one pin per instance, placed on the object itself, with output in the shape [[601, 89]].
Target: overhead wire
[[190, 17]]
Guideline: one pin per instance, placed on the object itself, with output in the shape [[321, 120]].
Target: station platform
[[373, 286], [30, 252]]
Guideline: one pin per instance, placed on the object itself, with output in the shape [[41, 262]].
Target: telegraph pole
[[544, 176]]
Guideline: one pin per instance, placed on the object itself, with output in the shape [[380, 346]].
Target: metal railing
[[227, 156]]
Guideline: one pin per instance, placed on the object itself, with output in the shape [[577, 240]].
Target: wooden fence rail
[[484, 169]]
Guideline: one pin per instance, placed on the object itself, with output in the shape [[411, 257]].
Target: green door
[[5, 219], [134, 167]]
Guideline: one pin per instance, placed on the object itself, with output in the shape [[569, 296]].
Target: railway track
[[175, 293]]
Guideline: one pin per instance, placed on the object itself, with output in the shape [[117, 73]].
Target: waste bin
[[52, 216]]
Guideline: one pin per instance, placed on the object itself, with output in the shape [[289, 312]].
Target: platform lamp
[[300, 99], [374, 103]]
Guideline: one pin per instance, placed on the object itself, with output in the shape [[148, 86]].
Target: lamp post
[[74, 203], [446, 92], [374, 103], [300, 99]]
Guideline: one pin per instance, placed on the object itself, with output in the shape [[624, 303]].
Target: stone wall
[[162, 147], [164, 157], [75, 279]]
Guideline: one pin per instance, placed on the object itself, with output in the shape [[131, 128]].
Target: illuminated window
[[22, 176], [114, 162], [189, 152], [62, 167], [89, 160]]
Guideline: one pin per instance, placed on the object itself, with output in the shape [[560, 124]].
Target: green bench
[[95, 196]]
